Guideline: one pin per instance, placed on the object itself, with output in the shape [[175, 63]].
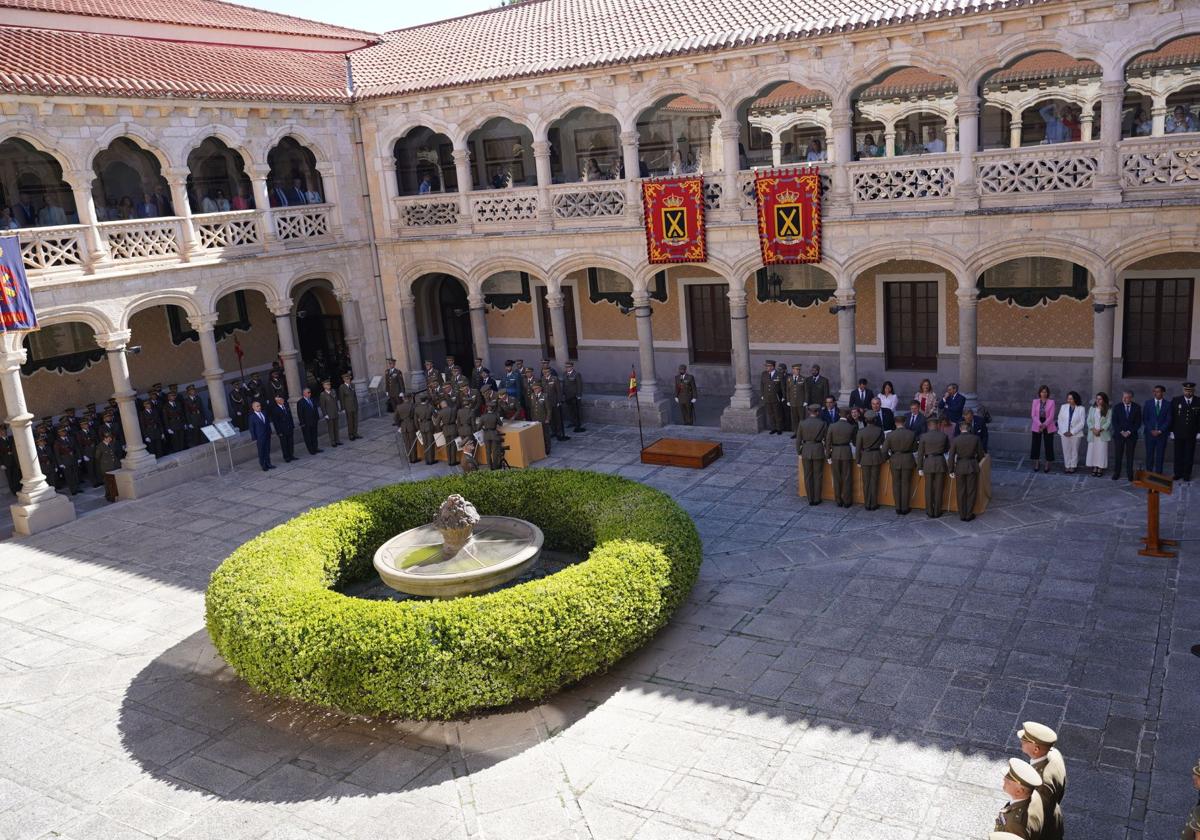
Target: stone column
[[85, 207], [633, 172], [731, 133], [262, 201], [479, 333], [951, 139], [177, 183], [889, 141], [38, 507], [541, 161], [1108, 177], [287, 349], [743, 414], [966, 192], [842, 125], [137, 457], [329, 192], [214, 376], [558, 324], [1104, 308], [968, 338], [1014, 132], [412, 339], [647, 377], [352, 330], [844, 300], [462, 169], [776, 149], [1158, 117]]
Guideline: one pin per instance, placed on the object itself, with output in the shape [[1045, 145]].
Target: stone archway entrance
[[321, 335]]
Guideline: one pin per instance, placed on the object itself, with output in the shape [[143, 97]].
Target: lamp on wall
[[839, 307], [1100, 307]]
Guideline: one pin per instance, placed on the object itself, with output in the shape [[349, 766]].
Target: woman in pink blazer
[[1042, 414]]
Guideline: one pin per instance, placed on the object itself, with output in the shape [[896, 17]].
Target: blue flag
[[16, 301]]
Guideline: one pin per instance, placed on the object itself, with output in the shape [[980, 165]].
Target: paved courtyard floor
[[836, 674]]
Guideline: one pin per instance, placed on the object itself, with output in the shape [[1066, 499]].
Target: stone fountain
[[459, 553]]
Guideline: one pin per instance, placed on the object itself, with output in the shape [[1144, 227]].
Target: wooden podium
[[1154, 484], [674, 452]]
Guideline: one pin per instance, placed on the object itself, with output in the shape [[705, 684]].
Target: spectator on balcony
[[869, 149], [616, 169], [426, 186], [313, 197], [222, 202], [816, 152], [7, 222], [239, 200], [1057, 131], [934, 144], [209, 204], [591, 171], [1072, 119], [146, 208], [125, 209], [161, 197], [1142, 125], [277, 195], [1180, 120], [295, 195], [52, 215], [26, 211]]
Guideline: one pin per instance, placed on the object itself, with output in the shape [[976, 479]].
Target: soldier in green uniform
[[66, 456], [467, 420], [552, 388], [424, 415], [329, 407], [868, 446], [406, 419], [433, 376], [106, 460], [931, 463], [769, 392], [898, 448], [838, 438], [393, 382], [810, 445], [572, 388], [539, 412], [194, 416], [447, 423], [349, 400], [963, 465], [468, 462], [490, 422], [685, 395], [1023, 814], [174, 422], [793, 393], [1038, 743], [509, 408]]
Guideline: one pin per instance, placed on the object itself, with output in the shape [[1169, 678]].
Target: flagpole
[[641, 439]]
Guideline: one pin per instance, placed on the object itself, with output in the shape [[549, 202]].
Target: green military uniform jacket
[[1024, 819], [393, 380], [105, 457], [794, 391], [539, 408], [930, 450], [1054, 786], [329, 404], [768, 385], [899, 447], [810, 438], [965, 452], [466, 421], [869, 446], [685, 387], [816, 389], [838, 438], [348, 398]]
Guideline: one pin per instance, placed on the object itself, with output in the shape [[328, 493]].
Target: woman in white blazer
[[1072, 423]]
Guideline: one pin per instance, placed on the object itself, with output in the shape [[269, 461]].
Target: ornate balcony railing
[[591, 200], [217, 231], [1042, 173], [505, 207], [145, 239], [1160, 162], [432, 210], [749, 202], [52, 249], [903, 179], [309, 221]]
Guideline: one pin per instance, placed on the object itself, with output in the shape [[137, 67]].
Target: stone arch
[[100, 321], [479, 116], [1053, 248], [134, 134], [400, 129], [577, 262], [1153, 39], [21, 130], [225, 135], [669, 87], [1123, 257], [415, 271], [300, 135], [760, 77], [875, 69], [335, 279], [182, 299], [1021, 45], [581, 100], [482, 271], [263, 287], [926, 252]]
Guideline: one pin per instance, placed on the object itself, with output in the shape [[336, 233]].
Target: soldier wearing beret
[[869, 453], [810, 446], [1023, 814], [966, 450], [770, 386], [1038, 743], [931, 463], [838, 438]]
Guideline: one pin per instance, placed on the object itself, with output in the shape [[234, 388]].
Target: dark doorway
[[1158, 327], [910, 325], [568, 294], [321, 338], [456, 323], [708, 323]]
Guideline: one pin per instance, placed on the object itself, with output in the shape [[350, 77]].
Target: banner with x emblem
[[789, 215], [16, 301], [674, 214]]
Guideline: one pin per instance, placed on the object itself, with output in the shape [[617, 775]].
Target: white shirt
[[935, 146], [312, 197], [888, 401]]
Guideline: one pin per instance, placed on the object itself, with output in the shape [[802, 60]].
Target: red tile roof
[[1184, 50], [52, 63], [1044, 65], [545, 36], [212, 14], [909, 80]]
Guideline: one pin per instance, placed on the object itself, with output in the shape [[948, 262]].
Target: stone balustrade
[[301, 223], [1160, 164], [1037, 174], [237, 229], [918, 179], [53, 249]]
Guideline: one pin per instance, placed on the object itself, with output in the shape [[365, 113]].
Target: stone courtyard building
[[1010, 197]]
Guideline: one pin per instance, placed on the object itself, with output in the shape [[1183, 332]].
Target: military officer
[[109, 423], [539, 411], [509, 408], [490, 422], [424, 415], [478, 374], [685, 395], [931, 463], [45, 456], [239, 411], [511, 382], [810, 445], [1038, 744], [447, 423], [898, 448], [769, 386], [106, 460], [868, 446], [329, 407], [404, 411], [433, 376], [1023, 814], [963, 466], [793, 397], [468, 462], [552, 388], [85, 445], [457, 378], [255, 390], [152, 433], [277, 386], [8, 458], [816, 387], [572, 392], [66, 456], [1185, 425], [194, 416], [393, 383], [527, 389], [467, 419], [1191, 830], [174, 422], [349, 400], [838, 438]]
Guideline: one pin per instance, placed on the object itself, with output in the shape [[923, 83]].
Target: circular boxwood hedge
[[273, 613]]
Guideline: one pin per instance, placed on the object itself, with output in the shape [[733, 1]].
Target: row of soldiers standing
[[77, 449]]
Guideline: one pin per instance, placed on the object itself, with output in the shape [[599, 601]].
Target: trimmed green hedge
[[272, 613]]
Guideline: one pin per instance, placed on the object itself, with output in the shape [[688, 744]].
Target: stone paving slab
[[834, 674]]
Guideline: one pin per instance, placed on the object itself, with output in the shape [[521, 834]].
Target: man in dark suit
[[951, 406], [1126, 421], [260, 432], [310, 417], [285, 427], [26, 212], [1185, 424], [1156, 417], [861, 397], [885, 418], [830, 412], [816, 388], [915, 420]]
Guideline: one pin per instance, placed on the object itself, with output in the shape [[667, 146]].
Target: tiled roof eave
[[740, 39], [20, 85]]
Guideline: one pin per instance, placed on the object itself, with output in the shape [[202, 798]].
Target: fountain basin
[[500, 549]]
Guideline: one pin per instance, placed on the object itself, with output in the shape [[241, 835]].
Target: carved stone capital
[[115, 341], [203, 323], [630, 138]]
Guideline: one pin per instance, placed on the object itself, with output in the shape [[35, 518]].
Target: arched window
[[294, 167], [502, 155], [785, 123], [424, 163], [678, 135], [907, 111], [1041, 98], [129, 184], [585, 145], [32, 190], [217, 180]]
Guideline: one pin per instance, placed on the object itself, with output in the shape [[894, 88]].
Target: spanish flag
[[632, 383]]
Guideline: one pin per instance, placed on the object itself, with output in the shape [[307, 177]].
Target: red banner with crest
[[674, 212], [789, 215]]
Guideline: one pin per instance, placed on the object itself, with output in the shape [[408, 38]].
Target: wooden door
[[708, 323], [911, 325], [1158, 327]]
